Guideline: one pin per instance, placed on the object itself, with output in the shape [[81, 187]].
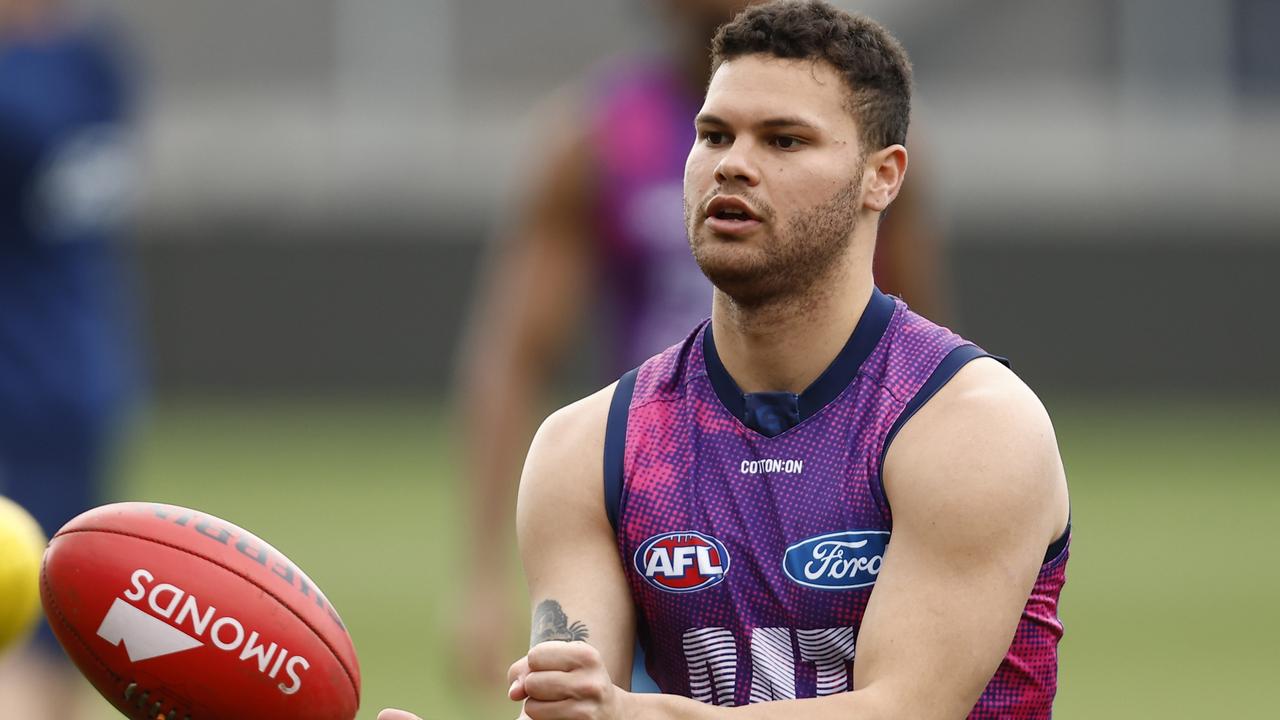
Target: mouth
[[727, 215]]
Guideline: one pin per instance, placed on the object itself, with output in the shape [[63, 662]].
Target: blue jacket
[[66, 174]]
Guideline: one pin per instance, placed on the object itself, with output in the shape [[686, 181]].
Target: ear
[[883, 175]]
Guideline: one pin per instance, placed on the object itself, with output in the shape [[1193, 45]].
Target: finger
[[517, 691], [515, 675], [392, 714], [551, 685], [564, 656], [558, 710], [518, 669]]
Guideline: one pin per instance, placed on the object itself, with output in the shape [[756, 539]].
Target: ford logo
[[837, 561]]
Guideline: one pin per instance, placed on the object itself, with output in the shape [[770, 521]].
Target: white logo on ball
[[146, 636]]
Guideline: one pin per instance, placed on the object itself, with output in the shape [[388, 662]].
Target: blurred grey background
[[321, 178]]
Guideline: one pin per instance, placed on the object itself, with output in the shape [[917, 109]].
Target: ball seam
[[66, 625]]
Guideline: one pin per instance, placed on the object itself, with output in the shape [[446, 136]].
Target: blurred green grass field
[[1172, 606]]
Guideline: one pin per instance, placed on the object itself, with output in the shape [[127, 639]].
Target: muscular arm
[[528, 304], [978, 492], [571, 561]]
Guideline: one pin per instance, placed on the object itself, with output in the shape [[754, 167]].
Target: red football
[[172, 614]]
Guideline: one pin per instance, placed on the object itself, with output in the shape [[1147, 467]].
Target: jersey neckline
[[773, 413]]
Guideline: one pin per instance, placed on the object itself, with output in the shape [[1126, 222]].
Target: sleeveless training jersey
[[752, 528]]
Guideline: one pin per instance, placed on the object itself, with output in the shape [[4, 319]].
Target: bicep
[[576, 585], [977, 489]]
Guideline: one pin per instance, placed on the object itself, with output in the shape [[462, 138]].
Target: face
[[772, 186]]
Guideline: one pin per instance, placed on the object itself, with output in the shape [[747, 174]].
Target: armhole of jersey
[[941, 375], [615, 444], [946, 370], [1057, 547]]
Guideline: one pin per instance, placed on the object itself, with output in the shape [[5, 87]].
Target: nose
[[736, 166]]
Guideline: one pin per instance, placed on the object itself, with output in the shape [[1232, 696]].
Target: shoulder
[[985, 394], [984, 445], [575, 429], [564, 468]]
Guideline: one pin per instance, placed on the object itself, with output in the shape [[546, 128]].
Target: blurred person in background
[[600, 224], [67, 373]]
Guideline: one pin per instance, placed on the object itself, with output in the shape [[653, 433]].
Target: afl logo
[[682, 562]]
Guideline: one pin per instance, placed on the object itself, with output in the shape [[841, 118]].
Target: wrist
[[658, 706], [628, 705]]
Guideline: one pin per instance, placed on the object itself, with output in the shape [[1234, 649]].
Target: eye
[[714, 138], [786, 142]]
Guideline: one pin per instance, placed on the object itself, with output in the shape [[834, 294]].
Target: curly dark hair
[[872, 62]]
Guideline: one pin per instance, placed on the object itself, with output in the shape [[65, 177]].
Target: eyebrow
[[774, 122]]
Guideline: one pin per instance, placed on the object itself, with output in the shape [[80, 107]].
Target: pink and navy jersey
[[642, 129], [752, 527]]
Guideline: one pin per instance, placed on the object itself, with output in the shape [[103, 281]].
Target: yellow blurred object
[[21, 551]]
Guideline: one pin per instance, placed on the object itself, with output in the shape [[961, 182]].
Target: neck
[[785, 344]]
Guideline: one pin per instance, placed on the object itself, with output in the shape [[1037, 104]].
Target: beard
[[790, 263]]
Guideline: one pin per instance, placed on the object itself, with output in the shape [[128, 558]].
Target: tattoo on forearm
[[550, 623]]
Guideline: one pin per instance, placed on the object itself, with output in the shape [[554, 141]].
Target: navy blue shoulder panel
[[615, 444], [1057, 546], [941, 375]]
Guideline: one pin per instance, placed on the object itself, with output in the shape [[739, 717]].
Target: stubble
[[793, 267]]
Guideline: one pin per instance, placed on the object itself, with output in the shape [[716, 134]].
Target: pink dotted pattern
[[683, 471]]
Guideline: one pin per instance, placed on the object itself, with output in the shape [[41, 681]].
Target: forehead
[[754, 86]]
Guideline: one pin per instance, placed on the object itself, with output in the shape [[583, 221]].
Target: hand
[[565, 681], [390, 714]]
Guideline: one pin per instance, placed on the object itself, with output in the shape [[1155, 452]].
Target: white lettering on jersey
[[665, 563], [831, 652], [771, 465], [705, 566], [712, 657], [659, 563], [773, 665]]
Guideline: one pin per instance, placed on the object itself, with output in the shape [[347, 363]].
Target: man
[[601, 226], [818, 473], [66, 365]]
